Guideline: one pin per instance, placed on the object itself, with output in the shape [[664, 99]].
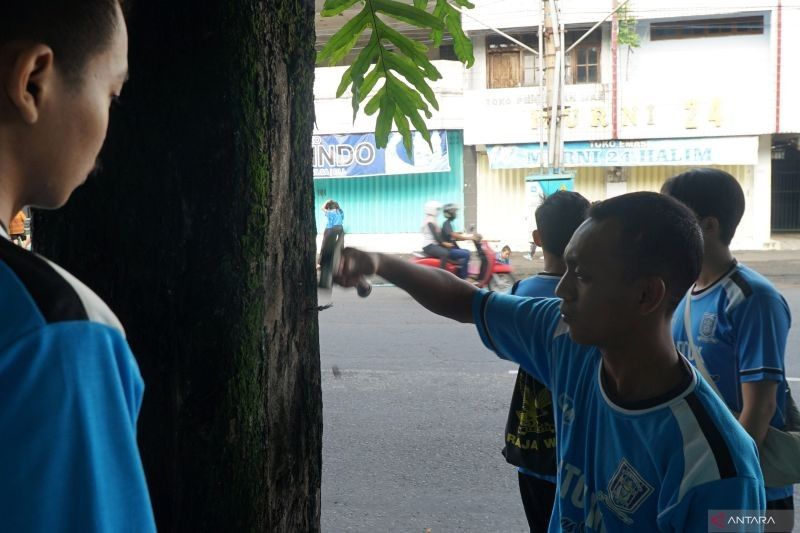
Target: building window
[[688, 29], [510, 65], [583, 61], [446, 51]]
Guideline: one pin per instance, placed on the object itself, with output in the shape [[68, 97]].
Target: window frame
[[701, 28], [529, 38]]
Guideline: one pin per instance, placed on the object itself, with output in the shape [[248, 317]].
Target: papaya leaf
[[412, 50], [375, 102], [345, 83], [384, 123], [407, 69], [406, 94], [334, 7], [461, 43], [402, 126], [343, 40], [369, 82], [407, 13], [401, 95]]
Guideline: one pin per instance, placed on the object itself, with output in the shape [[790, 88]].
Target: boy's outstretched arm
[[437, 290]]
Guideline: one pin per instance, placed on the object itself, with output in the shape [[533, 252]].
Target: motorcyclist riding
[[434, 245], [450, 236]]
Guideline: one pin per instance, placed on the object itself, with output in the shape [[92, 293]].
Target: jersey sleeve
[[70, 394], [519, 329], [762, 327], [692, 515]]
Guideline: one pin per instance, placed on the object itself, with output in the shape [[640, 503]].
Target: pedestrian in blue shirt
[[643, 444], [739, 322], [70, 388], [334, 218], [530, 436]]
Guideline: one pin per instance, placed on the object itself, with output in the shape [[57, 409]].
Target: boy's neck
[[647, 368], [553, 264], [717, 260]]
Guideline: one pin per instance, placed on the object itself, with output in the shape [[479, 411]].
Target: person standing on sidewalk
[[70, 388], [739, 321], [643, 443], [530, 435]]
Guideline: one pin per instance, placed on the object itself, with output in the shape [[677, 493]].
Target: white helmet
[[433, 208]]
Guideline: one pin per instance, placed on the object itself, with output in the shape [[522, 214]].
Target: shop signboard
[[619, 153], [354, 155]]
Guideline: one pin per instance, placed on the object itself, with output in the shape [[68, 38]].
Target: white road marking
[[515, 371], [792, 379]]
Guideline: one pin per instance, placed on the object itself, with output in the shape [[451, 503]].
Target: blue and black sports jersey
[[70, 392], [739, 325], [659, 467], [530, 435]]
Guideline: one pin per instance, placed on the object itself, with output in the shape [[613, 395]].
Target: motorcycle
[[486, 271]]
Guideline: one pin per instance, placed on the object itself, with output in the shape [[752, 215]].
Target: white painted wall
[[733, 73], [527, 13], [790, 72], [335, 115]]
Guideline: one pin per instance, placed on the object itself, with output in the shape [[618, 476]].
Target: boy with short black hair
[[70, 388], [530, 435], [739, 321], [643, 444]]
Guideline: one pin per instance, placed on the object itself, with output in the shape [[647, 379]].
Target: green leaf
[[414, 51], [439, 12], [402, 126], [406, 68], [364, 60], [402, 95], [461, 43], [421, 4], [369, 82], [334, 7], [344, 39], [407, 13], [465, 3], [384, 123], [375, 102], [346, 81]]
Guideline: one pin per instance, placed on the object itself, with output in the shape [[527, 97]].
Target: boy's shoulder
[[744, 284], [38, 293]]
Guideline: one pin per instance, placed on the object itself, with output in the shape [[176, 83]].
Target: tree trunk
[[199, 233]]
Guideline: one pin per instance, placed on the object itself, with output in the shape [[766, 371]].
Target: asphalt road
[[414, 411]]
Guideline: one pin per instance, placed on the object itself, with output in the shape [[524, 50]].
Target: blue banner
[[344, 156]]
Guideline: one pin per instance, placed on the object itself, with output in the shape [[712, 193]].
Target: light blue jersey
[[740, 325], [70, 392], [659, 466], [541, 285]]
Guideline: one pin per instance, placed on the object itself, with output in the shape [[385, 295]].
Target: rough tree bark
[[199, 233]]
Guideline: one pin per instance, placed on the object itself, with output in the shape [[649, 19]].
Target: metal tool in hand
[[330, 262]]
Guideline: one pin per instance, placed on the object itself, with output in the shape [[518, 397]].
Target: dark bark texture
[[199, 233]]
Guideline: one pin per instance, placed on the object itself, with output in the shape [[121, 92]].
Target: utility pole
[[553, 59]]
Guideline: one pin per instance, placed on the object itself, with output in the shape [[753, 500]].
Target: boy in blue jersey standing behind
[[643, 444], [739, 322], [530, 436], [70, 388]]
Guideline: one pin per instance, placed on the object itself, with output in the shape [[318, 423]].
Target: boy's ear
[[710, 226], [537, 238], [30, 79], [653, 292]]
